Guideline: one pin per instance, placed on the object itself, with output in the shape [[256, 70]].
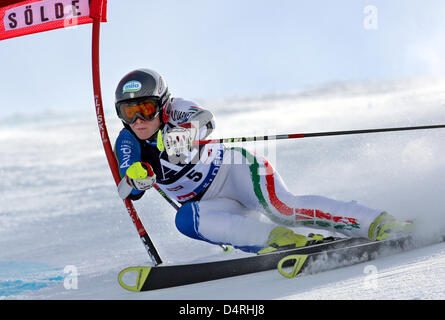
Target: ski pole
[[314, 134], [226, 248], [166, 197]]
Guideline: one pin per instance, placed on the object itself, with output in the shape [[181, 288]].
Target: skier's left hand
[[179, 140]]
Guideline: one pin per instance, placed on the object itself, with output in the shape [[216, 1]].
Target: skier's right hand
[[140, 176]]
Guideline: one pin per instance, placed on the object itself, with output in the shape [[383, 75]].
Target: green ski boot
[[386, 226], [281, 238]]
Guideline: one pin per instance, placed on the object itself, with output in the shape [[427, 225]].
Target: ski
[[295, 265], [166, 276]]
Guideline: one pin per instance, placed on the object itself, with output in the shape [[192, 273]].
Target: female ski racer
[[217, 186]]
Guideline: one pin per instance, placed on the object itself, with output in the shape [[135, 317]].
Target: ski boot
[[386, 226], [281, 238]]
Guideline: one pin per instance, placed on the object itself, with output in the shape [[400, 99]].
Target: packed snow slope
[[65, 234]]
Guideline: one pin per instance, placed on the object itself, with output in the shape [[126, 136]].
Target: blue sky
[[210, 49]]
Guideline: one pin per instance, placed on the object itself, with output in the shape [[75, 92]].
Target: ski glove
[[179, 140], [140, 176]]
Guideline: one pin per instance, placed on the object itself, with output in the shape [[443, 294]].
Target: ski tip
[[141, 275], [296, 261]]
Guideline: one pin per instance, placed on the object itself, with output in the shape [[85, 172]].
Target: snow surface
[[65, 234]]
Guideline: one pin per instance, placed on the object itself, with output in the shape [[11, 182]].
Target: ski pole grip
[[148, 167]]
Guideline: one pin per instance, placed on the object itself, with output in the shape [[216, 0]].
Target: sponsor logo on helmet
[[132, 86]]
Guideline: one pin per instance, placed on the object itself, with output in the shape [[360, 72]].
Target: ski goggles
[[146, 109]]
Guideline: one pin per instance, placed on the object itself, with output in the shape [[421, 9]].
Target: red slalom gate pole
[[149, 246], [313, 134]]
